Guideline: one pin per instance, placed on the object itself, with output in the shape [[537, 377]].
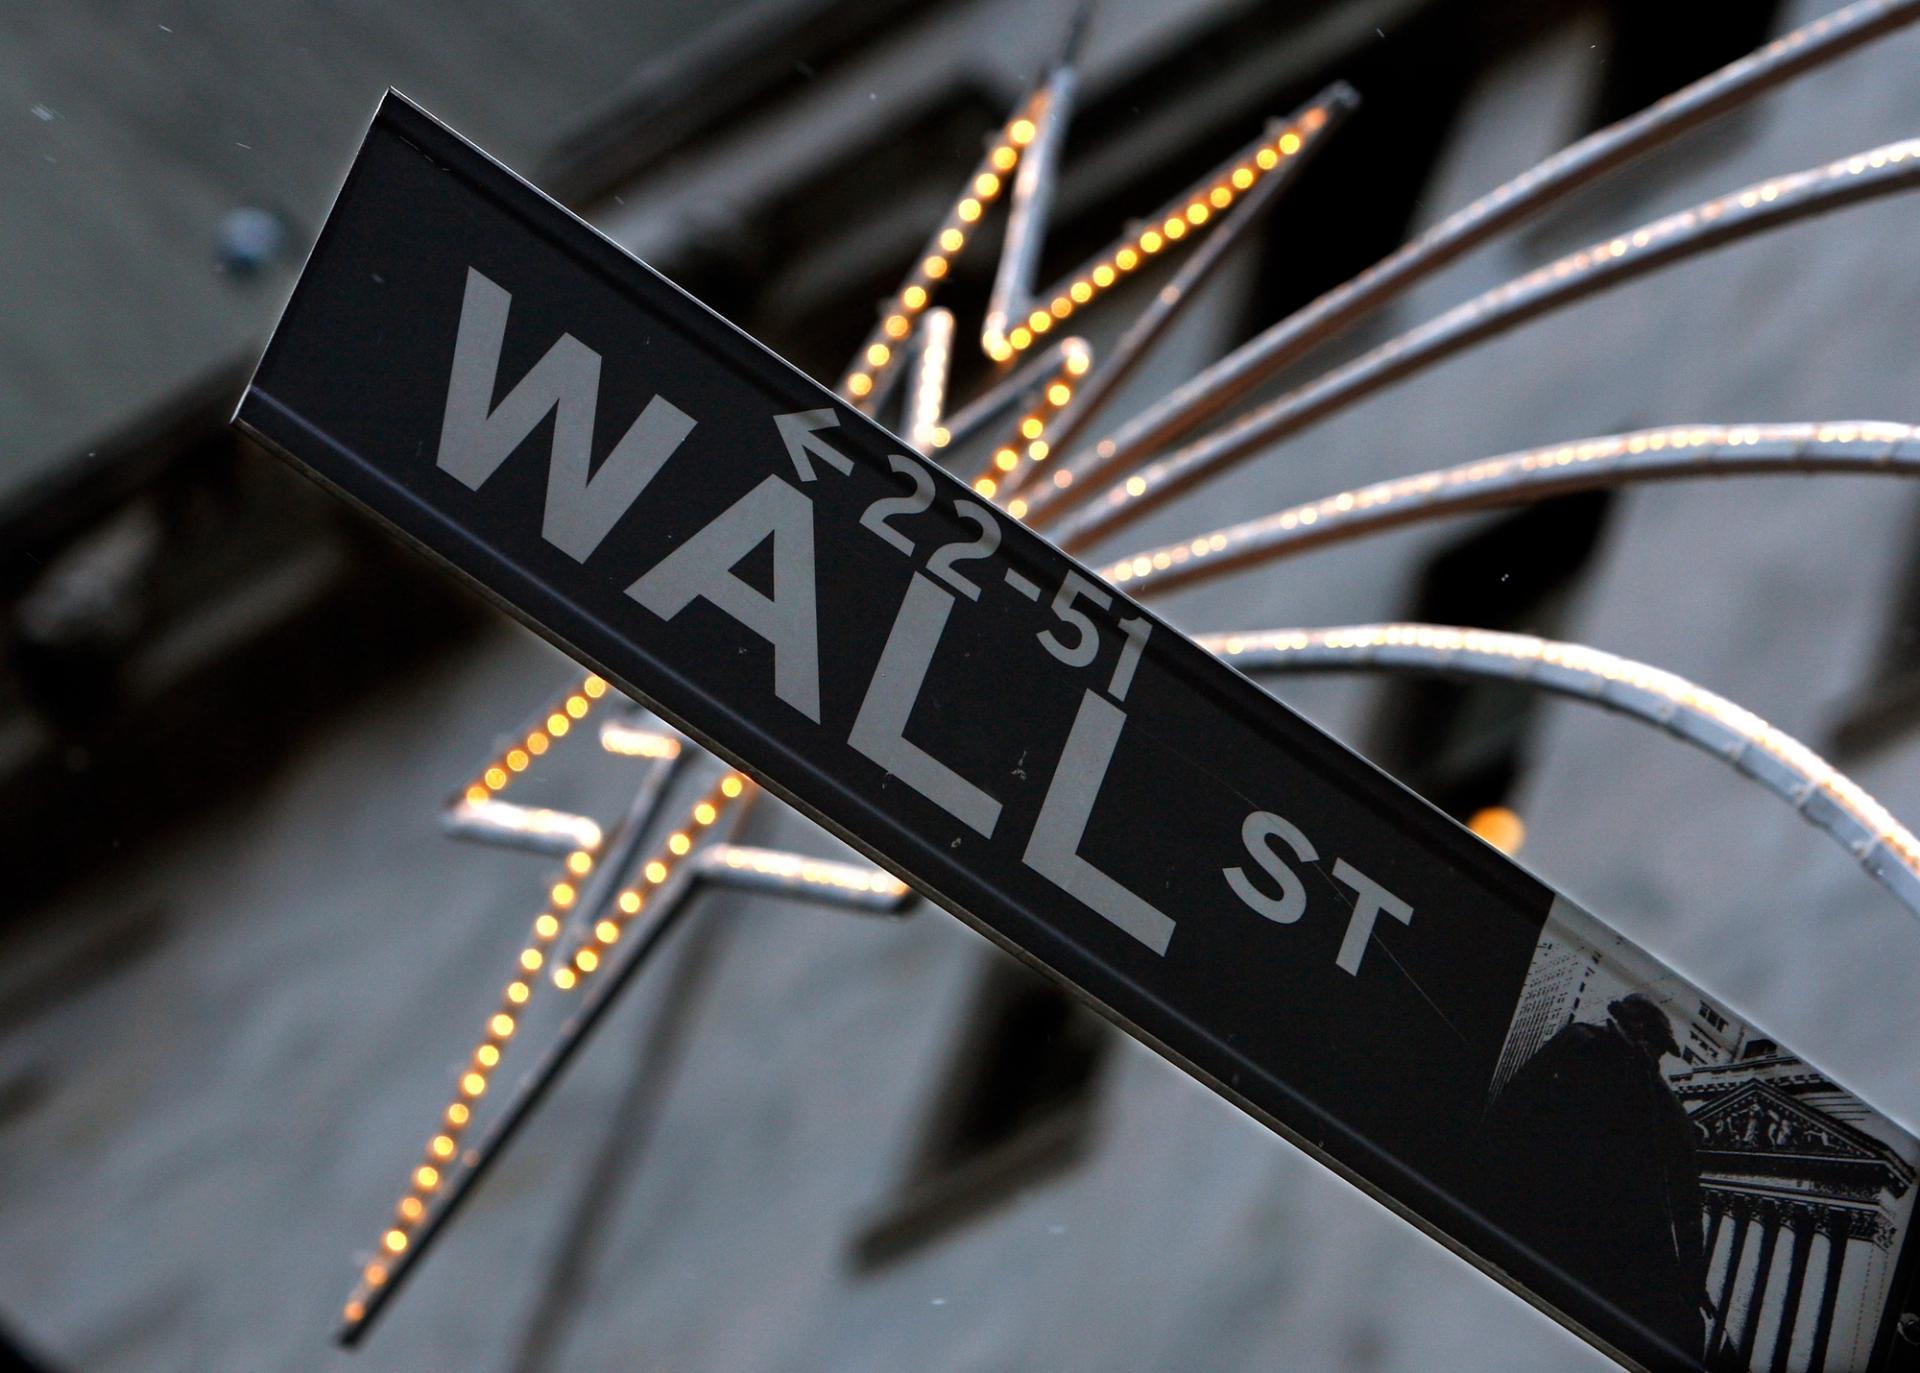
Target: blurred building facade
[[240, 987]]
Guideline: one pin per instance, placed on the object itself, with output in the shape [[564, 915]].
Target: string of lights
[[1004, 469], [1218, 386], [535, 740], [1675, 452], [1764, 205], [730, 791], [438, 1186], [863, 384], [1187, 213], [1821, 794], [1262, 192]]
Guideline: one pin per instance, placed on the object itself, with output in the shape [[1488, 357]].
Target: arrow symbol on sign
[[797, 432]]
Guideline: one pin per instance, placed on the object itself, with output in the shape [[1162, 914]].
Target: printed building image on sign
[[1661, 1150], [791, 585]]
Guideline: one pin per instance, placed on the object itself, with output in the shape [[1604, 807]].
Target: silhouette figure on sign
[[1595, 1168]]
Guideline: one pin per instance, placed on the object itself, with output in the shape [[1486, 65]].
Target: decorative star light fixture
[[619, 889]]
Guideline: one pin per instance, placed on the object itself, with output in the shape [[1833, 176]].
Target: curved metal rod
[[1765, 205], [1214, 389], [1824, 796], [1667, 454]]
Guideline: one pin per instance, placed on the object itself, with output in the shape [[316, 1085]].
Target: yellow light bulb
[[394, 1241], [704, 813], [732, 785], [577, 706], [458, 1114], [1267, 158], [562, 894], [1020, 132], [442, 1146], [1082, 291], [914, 297], [934, 267], [1151, 241], [1020, 338], [537, 743], [547, 926], [1197, 214], [1041, 323], [517, 993], [656, 872], [501, 1024], [968, 210], [477, 794], [495, 778], [426, 1177], [1102, 276], [1126, 259], [1175, 228], [630, 902], [564, 979], [896, 326], [1031, 427], [1061, 307], [986, 184], [412, 1208], [1006, 460], [1242, 177], [473, 1084], [606, 931], [678, 843], [595, 687], [859, 384], [1220, 197], [879, 354], [558, 725], [579, 863], [1059, 393], [986, 486], [586, 960], [1289, 143], [1004, 158], [1017, 508], [1038, 450], [487, 1056]]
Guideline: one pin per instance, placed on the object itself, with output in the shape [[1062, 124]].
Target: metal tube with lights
[[1216, 388], [1820, 793], [1668, 453], [1764, 205]]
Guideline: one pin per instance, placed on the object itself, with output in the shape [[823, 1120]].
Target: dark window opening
[[1889, 704], [1462, 744], [1653, 50], [1014, 1105]]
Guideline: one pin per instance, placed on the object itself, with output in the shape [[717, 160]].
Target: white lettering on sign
[[879, 731], [1257, 832], [1053, 851], [476, 435], [1375, 900], [703, 567]]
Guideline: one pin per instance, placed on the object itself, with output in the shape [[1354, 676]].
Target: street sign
[[784, 580]]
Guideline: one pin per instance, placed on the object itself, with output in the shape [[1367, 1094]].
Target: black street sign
[[786, 581]]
